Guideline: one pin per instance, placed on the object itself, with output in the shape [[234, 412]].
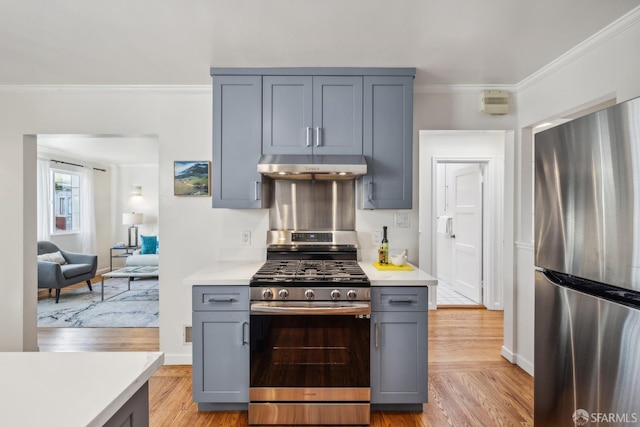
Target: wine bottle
[[383, 254]]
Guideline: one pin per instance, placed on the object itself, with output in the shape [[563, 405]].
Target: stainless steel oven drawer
[[389, 298], [220, 298], [309, 413]]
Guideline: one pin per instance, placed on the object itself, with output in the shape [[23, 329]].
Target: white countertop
[[240, 272], [70, 389]]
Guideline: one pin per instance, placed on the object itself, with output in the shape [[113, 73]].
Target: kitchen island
[[76, 389]]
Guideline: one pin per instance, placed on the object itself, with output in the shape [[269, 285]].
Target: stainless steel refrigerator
[[587, 256]]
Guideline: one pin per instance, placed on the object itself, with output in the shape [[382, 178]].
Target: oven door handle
[[363, 308]]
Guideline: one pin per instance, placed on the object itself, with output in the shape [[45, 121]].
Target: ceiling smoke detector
[[494, 102]]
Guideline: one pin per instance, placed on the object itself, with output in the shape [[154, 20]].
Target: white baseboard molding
[[178, 359], [513, 358]]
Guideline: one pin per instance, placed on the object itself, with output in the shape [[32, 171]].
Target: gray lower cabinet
[[237, 141], [221, 347], [399, 348], [312, 115], [388, 142]]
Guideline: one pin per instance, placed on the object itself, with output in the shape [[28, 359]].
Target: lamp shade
[[131, 218]]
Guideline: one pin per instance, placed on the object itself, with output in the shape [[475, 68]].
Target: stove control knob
[[267, 293], [283, 293], [335, 294], [309, 294], [351, 294]]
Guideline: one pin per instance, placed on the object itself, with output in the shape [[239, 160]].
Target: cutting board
[[391, 267]]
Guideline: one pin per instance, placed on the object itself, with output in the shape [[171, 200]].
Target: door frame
[[491, 271]]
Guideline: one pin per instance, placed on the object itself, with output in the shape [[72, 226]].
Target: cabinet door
[[237, 141], [337, 115], [388, 143], [398, 357], [221, 357], [287, 115]]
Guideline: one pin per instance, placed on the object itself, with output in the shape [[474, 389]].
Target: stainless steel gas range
[[310, 327]]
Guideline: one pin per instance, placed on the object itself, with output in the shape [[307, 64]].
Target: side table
[[120, 252]]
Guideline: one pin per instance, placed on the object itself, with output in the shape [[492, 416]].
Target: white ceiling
[[175, 42]]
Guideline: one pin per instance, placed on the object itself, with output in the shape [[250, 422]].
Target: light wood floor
[[470, 384]]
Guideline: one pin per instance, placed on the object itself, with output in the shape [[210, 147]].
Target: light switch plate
[[402, 220]]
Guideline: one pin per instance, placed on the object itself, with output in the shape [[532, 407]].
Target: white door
[[467, 232]]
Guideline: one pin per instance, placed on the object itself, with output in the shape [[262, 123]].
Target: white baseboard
[[178, 359], [525, 364]]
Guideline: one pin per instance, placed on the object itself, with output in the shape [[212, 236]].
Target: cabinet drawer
[[400, 298], [216, 298]]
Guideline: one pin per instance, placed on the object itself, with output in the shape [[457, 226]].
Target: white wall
[[603, 68], [125, 177]]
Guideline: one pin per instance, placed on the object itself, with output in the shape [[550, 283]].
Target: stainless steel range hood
[[312, 166]]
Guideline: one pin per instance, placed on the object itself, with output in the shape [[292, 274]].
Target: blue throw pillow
[[149, 245]]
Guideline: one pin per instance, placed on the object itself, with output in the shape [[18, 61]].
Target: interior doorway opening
[[124, 180], [460, 230], [486, 148]]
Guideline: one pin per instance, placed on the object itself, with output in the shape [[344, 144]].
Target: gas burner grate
[[310, 271]]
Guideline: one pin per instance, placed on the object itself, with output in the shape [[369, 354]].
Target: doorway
[[124, 178], [485, 149], [459, 234]]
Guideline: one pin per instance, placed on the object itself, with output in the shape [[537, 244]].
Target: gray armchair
[[52, 275]]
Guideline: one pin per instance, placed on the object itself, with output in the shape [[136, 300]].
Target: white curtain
[[88, 212], [44, 200]]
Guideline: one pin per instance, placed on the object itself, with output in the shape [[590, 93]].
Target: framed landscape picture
[[191, 178]]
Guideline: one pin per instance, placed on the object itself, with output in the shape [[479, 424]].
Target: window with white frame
[[66, 196]]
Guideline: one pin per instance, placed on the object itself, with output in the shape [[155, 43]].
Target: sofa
[[138, 259], [58, 268], [147, 255]]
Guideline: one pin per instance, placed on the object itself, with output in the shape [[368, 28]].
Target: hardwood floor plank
[[470, 383]]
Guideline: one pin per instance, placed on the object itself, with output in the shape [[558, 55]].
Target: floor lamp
[[132, 219]]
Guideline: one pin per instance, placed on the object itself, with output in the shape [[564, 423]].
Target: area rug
[[121, 308]]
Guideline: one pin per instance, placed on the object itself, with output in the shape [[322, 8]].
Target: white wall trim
[[524, 246], [88, 89], [515, 359], [610, 31], [462, 88]]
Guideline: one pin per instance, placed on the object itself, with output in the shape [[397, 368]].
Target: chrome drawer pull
[[216, 300], [401, 301]]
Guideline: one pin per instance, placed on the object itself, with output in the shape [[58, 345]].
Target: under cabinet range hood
[[334, 167]]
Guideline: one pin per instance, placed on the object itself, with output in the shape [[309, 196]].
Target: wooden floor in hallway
[[470, 383]]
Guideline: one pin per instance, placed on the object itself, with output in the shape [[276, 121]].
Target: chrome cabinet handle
[[370, 190], [376, 334], [256, 194], [221, 300], [401, 301], [318, 136], [244, 333], [309, 137]]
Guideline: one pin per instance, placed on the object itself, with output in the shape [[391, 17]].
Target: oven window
[[309, 351]]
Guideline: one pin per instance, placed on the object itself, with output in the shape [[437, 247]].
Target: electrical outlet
[[246, 238], [377, 237]]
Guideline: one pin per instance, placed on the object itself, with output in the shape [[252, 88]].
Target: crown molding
[[461, 88], [160, 89], [607, 33]]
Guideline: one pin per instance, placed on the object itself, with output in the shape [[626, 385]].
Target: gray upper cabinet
[[312, 114], [237, 141], [388, 142]]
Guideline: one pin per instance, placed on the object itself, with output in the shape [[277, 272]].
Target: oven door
[[309, 363]]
